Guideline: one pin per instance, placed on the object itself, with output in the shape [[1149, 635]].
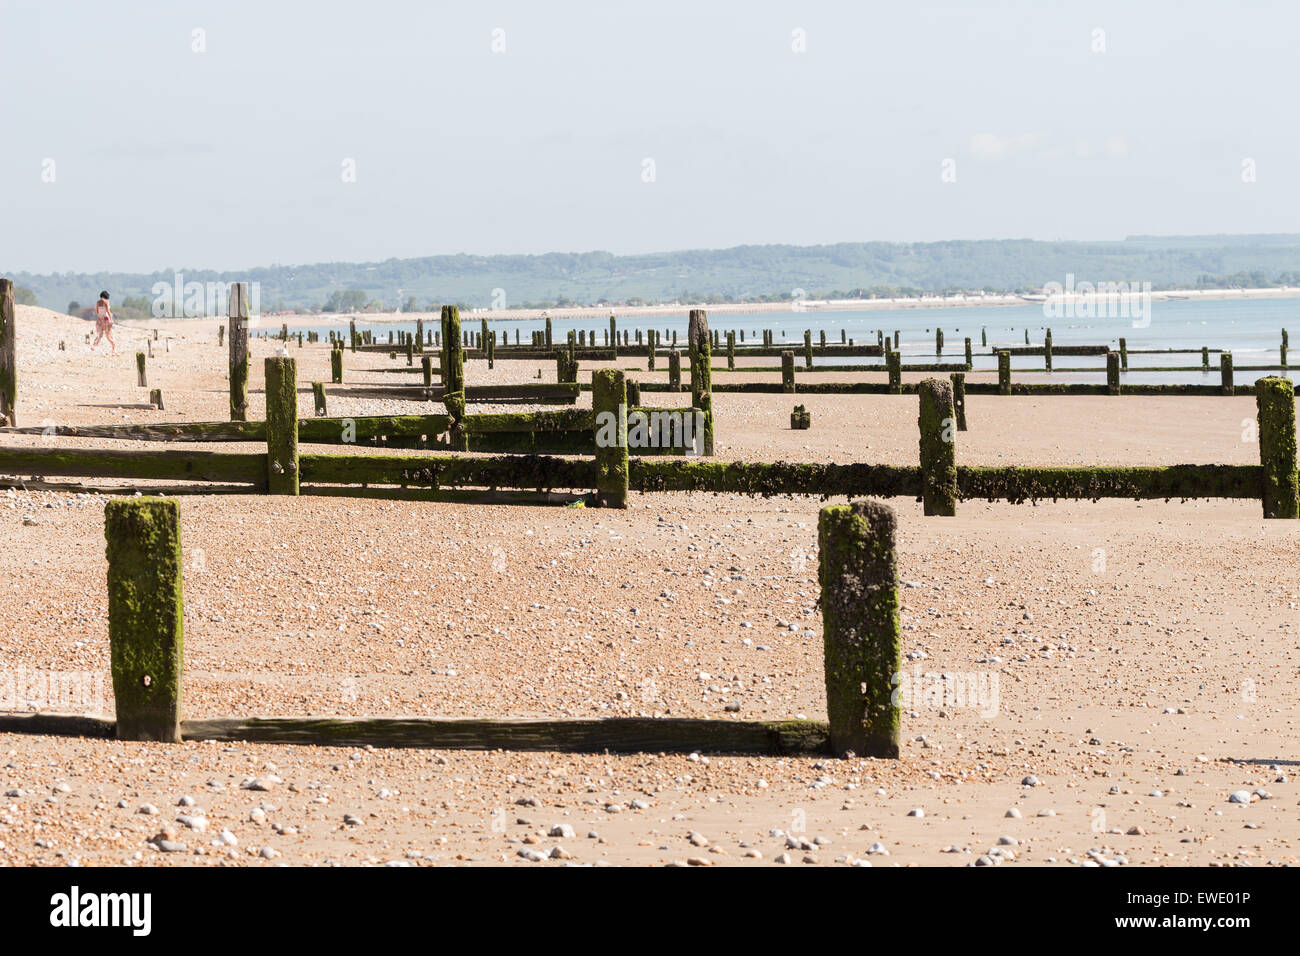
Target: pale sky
[[798, 122]]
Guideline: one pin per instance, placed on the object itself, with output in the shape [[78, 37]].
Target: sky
[[142, 136]]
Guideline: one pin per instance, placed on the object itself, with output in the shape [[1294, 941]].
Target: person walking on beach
[[104, 322]]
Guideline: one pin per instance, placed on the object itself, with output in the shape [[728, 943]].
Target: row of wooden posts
[[861, 638]]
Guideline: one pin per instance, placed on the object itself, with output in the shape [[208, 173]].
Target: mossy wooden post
[[410, 352], [787, 371], [700, 347], [282, 425], [609, 405], [1285, 344], [419, 335], [823, 338], [318, 394], [844, 336], [984, 338], [1047, 350], [1112, 373], [959, 397], [938, 342], [146, 616], [613, 333], [1123, 354], [237, 313], [453, 375], [1205, 358], [938, 448], [221, 335], [807, 348], [633, 392], [1225, 373], [336, 366], [1026, 336], [674, 370], [970, 358], [1275, 402], [862, 642], [894, 365], [548, 332], [492, 350], [650, 336], [731, 351], [426, 370], [1004, 372], [156, 399]]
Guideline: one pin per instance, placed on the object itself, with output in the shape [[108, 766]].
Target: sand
[[1144, 652]]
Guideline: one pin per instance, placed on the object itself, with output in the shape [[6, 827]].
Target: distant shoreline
[[272, 320], [758, 308]]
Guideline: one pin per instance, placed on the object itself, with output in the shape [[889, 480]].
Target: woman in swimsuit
[[104, 321]]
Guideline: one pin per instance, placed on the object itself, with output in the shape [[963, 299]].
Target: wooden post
[[221, 335], [419, 335], [613, 333], [1225, 373], [1275, 403], [633, 392], [318, 393], [336, 366], [352, 333], [800, 418], [938, 342], [146, 616], [1047, 350], [894, 364], [674, 370], [453, 375], [807, 348], [970, 358], [492, 350], [701, 353], [959, 397], [731, 351], [609, 404], [862, 642], [282, 425], [1285, 344], [156, 399], [1123, 354], [141, 380], [426, 370], [787, 371], [938, 448], [237, 315], [650, 336], [548, 342], [984, 338], [1004, 372], [8, 355], [1112, 373]]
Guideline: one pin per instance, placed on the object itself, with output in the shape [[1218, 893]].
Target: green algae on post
[[1004, 372], [959, 397], [146, 616], [1225, 373], [938, 448], [609, 404], [1275, 404], [282, 425], [1112, 373], [862, 642], [701, 355], [787, 371], [318, 394], [336, 366]]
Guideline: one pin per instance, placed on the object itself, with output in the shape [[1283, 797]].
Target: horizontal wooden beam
[[597, 735]]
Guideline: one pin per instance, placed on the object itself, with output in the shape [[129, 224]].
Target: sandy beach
[[1143, 652]]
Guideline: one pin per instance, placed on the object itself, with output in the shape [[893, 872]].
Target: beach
[[1142, 652]]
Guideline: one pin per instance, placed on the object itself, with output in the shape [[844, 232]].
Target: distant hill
[[737, 274]]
